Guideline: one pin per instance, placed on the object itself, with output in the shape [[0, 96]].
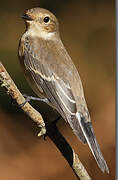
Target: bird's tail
[[88, 132]]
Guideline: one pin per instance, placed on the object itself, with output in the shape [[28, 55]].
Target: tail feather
[[92, 142]]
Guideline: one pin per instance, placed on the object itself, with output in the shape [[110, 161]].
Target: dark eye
[[46, 19]]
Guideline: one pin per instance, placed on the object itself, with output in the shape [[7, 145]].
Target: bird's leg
[[48, 125], [29, 98]]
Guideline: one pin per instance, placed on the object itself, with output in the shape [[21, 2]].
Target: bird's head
[[40, 21]]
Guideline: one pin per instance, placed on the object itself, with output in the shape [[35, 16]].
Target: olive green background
[[88, 32]]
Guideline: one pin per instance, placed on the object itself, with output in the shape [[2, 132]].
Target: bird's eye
[[46, 19]]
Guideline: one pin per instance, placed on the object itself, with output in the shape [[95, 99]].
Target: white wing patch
[[49, 78], [71, 100], [65, 105], [62, 90], [66, 97]]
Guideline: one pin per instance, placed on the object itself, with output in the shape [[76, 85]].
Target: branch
[[12, 90], [51, 130]]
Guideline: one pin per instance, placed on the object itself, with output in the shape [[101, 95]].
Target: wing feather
[[57, 90]]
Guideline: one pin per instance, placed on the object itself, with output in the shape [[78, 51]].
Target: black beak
[[26, 17]]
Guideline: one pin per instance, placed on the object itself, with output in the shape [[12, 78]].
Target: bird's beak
[[26, 17]]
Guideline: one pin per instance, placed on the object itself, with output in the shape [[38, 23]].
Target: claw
[[26, 100]]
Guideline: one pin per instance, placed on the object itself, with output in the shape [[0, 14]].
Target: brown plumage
[[52, 75]]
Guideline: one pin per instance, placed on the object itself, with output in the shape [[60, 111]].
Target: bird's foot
[[29, 98]]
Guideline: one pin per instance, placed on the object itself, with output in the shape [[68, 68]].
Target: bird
[[52, 75]]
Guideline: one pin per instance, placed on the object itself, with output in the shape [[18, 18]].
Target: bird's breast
[[24, 46]]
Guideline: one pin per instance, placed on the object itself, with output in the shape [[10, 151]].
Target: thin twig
[[51, 130]]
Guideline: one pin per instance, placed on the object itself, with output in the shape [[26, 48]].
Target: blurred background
[[88, 32]]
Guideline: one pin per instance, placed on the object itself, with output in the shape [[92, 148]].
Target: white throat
[[36, 30]]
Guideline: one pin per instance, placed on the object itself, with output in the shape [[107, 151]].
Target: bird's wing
[[61, 97], [58, 92]]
